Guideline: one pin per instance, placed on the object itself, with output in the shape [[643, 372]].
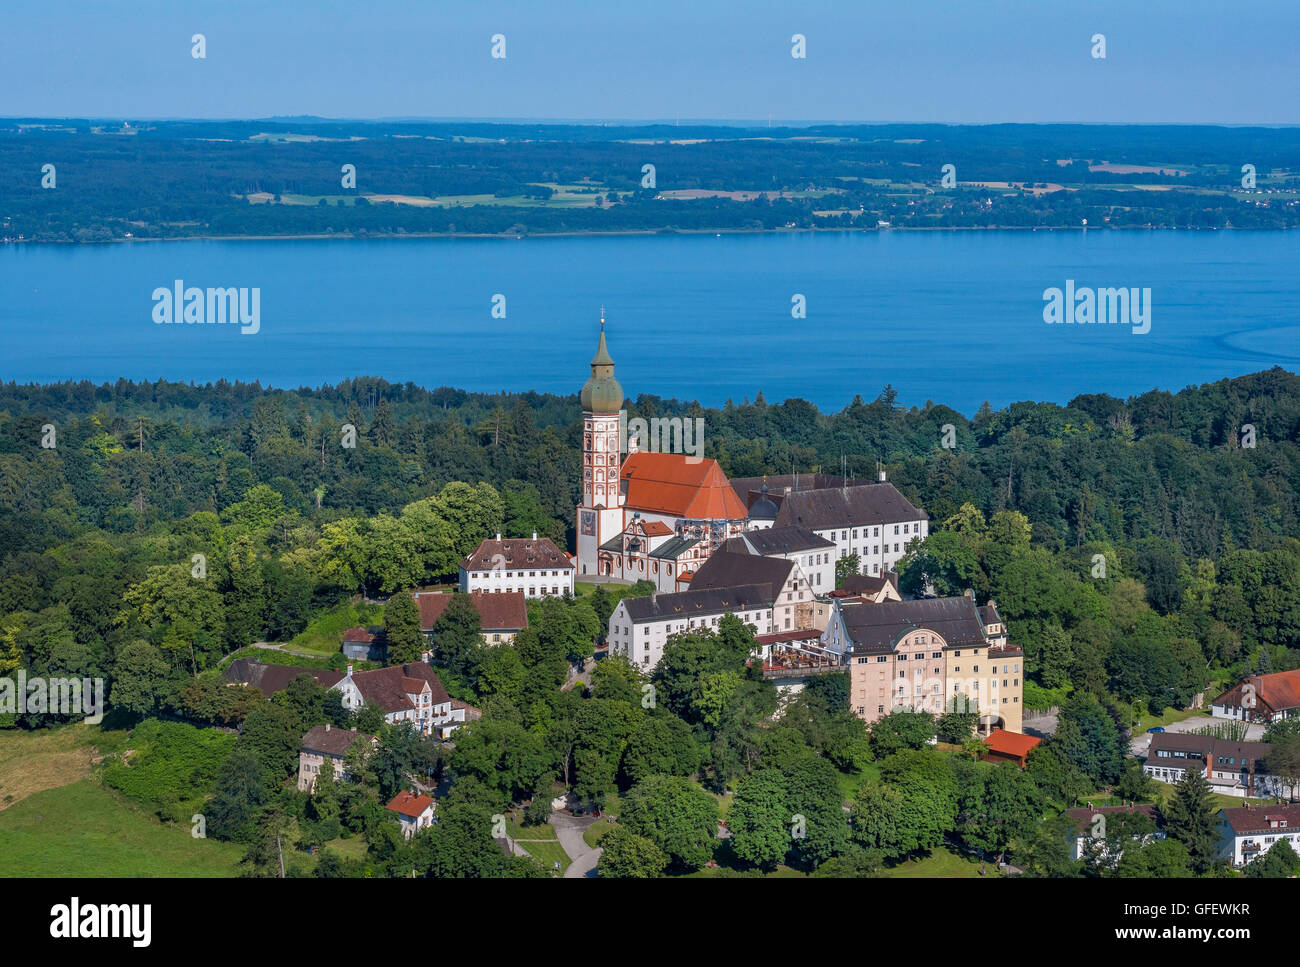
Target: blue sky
[[974, 61]]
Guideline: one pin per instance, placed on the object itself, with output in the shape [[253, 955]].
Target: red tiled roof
[[409, 804], [388, 688], [1258, 819], [331, 741], [673, 483], [1083, 816], [1011, 743], [358, 634], [1276, 692], [503, 611]]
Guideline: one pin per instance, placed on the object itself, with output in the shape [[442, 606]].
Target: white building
[[414, 812], [640, 627], [873, 521], [794, 605], [1248, 832], [534, 567], [815, 555], [406, 693]]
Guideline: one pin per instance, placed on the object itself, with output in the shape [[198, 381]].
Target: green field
[[84, 830], [324, 635]]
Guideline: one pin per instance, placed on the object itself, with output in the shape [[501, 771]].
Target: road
[[1139, 743], [569, 830]]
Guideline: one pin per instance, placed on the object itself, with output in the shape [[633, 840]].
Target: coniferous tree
[[1190, 819], [402, 629]]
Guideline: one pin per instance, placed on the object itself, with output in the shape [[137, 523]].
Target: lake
[[954, 317]]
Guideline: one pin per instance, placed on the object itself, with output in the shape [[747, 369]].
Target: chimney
[[654, 596], [882, 475], [534, 535], [498, 535], [349, 671], [354, 728], [327, 726]]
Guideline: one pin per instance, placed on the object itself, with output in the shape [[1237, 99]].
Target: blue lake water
[[954, 317]]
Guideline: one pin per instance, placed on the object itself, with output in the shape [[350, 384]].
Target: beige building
[[326, 747]]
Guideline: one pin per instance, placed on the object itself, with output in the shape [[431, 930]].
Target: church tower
[[600, 515]]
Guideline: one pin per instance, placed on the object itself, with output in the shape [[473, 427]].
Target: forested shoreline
[[1187, 501]]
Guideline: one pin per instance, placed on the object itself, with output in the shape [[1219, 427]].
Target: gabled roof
[[409, 804], [363, 635], [1203, 745], [388, 688], [1083, 816], [681, 486], [331, 741], [874, 503], [870, 584], [690, 604], [1259, 819], [269, 679], [776, 540], [515, 552], [1011, 743], [500, 611], [727, 570], [671, 550], [1275, 692], [876, 627]]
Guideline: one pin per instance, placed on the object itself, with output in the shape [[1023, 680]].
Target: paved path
[[569, 830], [1139, 743]]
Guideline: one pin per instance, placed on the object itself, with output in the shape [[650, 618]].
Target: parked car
[[1158, 728]]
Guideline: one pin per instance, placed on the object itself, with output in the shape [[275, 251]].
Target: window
[[895, 528], [882, 658]]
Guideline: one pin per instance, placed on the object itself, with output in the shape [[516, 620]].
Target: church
[[652, 516], [659, 516]]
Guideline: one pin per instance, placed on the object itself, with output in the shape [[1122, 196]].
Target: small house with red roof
[[502, 614], [1261, 698], [415, 812], [1247, 833], [1003, 746]]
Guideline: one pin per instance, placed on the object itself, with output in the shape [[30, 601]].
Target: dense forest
[[1141, 550], [188, 179]]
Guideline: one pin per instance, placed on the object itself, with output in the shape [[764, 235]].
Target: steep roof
[[387, 688], [776, 540], [409, 804], [513, 552], [876, 627], [680, 485], [500, 611], [1259, 819], [725, 569], [269, 679], [778, 485], [331, 741], [869, 583], [1083, 816], [874, 503], [1277, 691], [656, 607]]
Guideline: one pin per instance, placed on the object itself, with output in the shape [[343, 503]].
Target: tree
[[402, 629], [956, 727], [901, 729], [457, 637], [676, 815], [660, 744], [141, 678], [1283, 759], [624, 854], [760, 819], [240, 792], [998, 805], [1088, 737], [1190, 820], [273, 734], [845, 568], [816, 805], [1161, 858], [1279, 862]]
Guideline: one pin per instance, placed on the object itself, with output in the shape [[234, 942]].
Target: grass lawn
[[31, 762], [594, 833], [941, 863], [1165, 792], [352, 848], [851, 783], [548, 852], [84, 830], [324, 635]]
